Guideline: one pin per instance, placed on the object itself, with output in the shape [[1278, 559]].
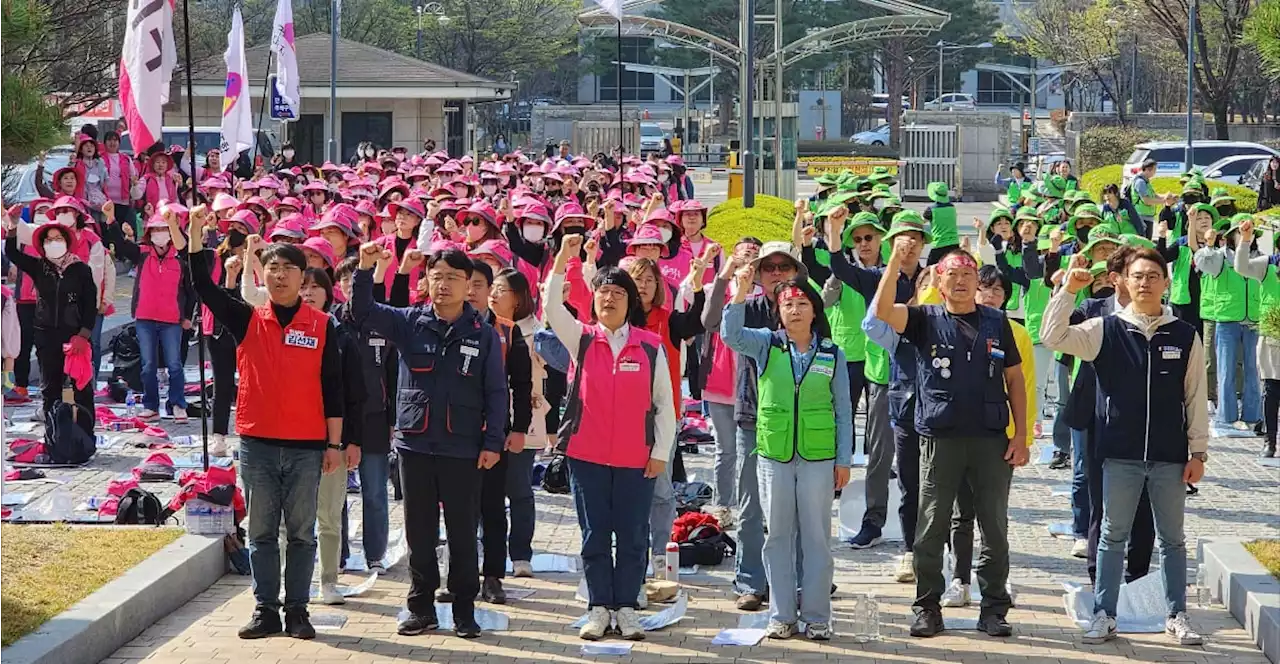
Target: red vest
[[657, 321], [155, 296], [279, 395], [613, 408]]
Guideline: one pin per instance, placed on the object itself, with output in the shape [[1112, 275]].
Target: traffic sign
[[279, 109]]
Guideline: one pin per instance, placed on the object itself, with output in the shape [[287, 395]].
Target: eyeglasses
[[1145, 277], [776, 267], [612, 293], [859, 239], [277, 268]]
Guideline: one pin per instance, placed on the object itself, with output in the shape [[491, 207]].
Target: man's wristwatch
[[333, 446], [1200, 456]]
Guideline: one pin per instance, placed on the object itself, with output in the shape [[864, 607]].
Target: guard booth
[[776, 174], [930, 153]]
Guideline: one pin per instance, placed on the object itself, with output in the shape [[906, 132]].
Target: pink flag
[[282, 44], [146, 68]]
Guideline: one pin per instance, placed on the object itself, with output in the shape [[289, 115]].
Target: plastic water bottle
[[60, 505], [866, 617], [130, 405], [672, 571], [182, 441], [1203, 596]]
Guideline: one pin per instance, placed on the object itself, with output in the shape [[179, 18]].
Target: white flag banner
[[146, 69], [613, 7], [237, 122], [286, 52]]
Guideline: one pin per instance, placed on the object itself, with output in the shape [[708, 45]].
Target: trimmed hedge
[[769, 219], [1099, 146], [1096, 179]]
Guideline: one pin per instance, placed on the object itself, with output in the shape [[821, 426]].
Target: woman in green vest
[[1263, 270], [804, 439], [1233, 303]]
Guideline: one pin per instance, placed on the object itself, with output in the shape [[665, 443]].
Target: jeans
[[748, 565], [1237, 342], [906, 443], [493, 518], [281, 483], [1122, 483], [374, 471], [880, 448], [1045, 376], [1142, 536], [662, 508], [330, 521], [1062, 432], [430, 481], [520, 496], [797, 502], [169, 335], [95, 341], [725, 466], [1079, 485], [612, 505]]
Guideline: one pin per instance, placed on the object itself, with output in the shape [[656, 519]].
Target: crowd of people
[[399, 315]]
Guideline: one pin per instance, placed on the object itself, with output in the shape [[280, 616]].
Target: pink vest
[[118, 169], [676, 268], [612, 411], [722, 380], [85, 239], [26, 285], [156, 294], [389, 241], [156, 189]]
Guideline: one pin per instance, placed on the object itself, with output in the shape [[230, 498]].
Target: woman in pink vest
[[402, 289], [162, 304], [87, 246], [160, 182], [37, 213], [617, 433], [227, 264]]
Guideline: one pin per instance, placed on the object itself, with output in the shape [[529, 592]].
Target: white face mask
[[489, 189], [288, 154], [160, 239], [67, 219], [55, 250], [662, 177], [533, 232], [536, 184], [666, 234]]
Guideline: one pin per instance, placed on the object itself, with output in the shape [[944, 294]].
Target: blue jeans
[[1122, 482], [375, 470], [1237, 341], [1061, 432], [748, 565], [797, 497], [170, 336], [1079, 485], [725, 466], [612, 505], [523, 514], [280, 483], [662, 511]]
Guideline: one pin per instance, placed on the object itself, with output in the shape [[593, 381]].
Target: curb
[[1248, 591], [113, 615]]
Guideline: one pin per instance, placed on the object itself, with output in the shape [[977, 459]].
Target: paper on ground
[[397, 548], [668, 616], [489, 621], [1220, 430], [611, 648], [328, 622], [350, 591], [1061, 529], [1043, 454], [1140, 609], [1060, 491], [15, 498], [1269, 463], [551, 563], [735, 636]]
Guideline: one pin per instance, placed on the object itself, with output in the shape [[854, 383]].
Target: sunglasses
[[859, 239], [775, 267], [474, 221]]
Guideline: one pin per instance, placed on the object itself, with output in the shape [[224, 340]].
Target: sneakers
[[818, 631], [1179, 627], [491, 590], [1269, 450], [353, 482], [218, 445], [867, 537], [722, 514], [149, 415], [906, 569], [297, 623], [179, 415], [1239, 425], [444, 596], [629, 624], [750, 602], [467, 628], [1102, 629], [597, 622], [521, 569], [416, 624], [995, 624], [329, 594], [928, 623], [1080, 548], [780, 630], [377, 566], [956, 594], [263, 623], [1059, 461]]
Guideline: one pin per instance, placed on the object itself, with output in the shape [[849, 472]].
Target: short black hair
[[990, 275], [750, 239], [451, 257], [349, 265], [288, 253], [90, 130], [320, 277], [481, 267], [1145, 254], [110, 135], [288, 145], [1148, 163], [619, 277], [1111, 188], [1019, 167], [519, 285], [821, 326]]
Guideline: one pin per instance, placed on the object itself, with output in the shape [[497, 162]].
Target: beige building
[[383, 97]]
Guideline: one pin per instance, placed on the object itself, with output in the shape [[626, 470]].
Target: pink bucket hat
[[320, 246], [647, 234], [496, 248]]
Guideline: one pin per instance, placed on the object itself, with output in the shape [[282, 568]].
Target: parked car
[[18, 183], [1231, 170], [1253, 177], [881, 101], [953, 101], [207, 138], [1169, 155], [651, 136], [877, 136]]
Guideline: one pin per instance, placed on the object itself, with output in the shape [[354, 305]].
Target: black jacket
[[375, 353], [66, 304], [353, 383]]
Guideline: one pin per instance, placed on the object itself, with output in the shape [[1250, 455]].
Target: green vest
[[1180, 289], [1016, 189], [796, 417], [846, 322], [1229, 297], [1037, 299], [1014, 259], [942, 226], [1269, 298], [1139, 204]]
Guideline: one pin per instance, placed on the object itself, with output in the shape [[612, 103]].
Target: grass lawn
[[1267, 551], [44, 570]]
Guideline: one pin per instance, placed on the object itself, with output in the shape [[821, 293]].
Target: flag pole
[[198, 323], [266, 93], [621, 132]]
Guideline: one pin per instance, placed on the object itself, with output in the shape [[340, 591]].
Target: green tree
[[29, 122], [1262, 31]]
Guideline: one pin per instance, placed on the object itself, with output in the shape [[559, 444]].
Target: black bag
[[691, 496], [140, 507], [65, 441], [707, 546], [556, 478], [127, 358]]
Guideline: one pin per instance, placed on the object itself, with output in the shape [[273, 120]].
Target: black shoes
[[416, 624], [467, 629], [1192, 490], [1060, 461], [444, 596], [264, 622], [297, 623], [1269, 450], [928, 623], [491, 590], [994, 625]]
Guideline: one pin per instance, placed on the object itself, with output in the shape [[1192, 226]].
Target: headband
[[791, 291], [615, 278], [956, 261]]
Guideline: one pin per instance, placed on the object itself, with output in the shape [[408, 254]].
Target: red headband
[[791, 291], [956, 260]]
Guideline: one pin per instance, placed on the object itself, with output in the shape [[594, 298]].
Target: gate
[[931, 153]]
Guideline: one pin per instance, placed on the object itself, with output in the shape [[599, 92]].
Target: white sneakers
[[1080, 548], [779, 630], [722, 514], [1101, 630], [906, 569], [218, 445], [179, 414], [329, 595], [818, 631], [598, 620], [1179, 627], [956, 594], [629, 624], [521, 569]]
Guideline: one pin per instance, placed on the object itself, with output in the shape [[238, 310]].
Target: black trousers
[[22, 363], [1271, 406], [493, 518], [222, 355], [430, 481], [50, 356], [906, 443], [1142, 539]]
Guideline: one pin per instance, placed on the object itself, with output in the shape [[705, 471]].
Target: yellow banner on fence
[[857, 166]]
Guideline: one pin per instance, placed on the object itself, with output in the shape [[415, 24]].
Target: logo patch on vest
[[468, 353], [628, 366], [299, 339], [820, 369], [1170, 353], [830, 357]]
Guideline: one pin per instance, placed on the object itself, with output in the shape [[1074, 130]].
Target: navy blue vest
[[1141, 383], [960, 383], [902, 385]]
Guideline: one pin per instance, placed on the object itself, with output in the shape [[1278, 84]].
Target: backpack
[[556, 477], [702, 541], [140, 507], [126, 357], [65, 441], [691, 496]]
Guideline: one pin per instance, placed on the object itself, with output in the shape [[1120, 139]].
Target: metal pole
[[418, 45], [621, 132], [266, 94], [334, 8], [198, 323], [777, 98], [1034, 85], [939, 95], [685, 141], [747, 8], [1191, 80]]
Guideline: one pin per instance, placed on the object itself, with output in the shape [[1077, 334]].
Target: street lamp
[[435, 9], [948, 46]]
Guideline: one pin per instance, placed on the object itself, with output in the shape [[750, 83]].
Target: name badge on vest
[[299, 339], [468, 353], [1170, 353], [628, 366], [821, 369]]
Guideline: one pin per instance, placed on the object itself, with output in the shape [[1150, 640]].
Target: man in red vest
[[289, 417]]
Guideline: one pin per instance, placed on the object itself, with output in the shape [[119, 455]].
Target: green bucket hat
[[938, 192], [1221, 196], [1102, 233], [1027, 213], [859, 220], [906, 222], [1001, 212], [1054, 186], [1042, 236], [827, 180], [1218, 222], [877, 193], [838, 199], [1097, 268], [881, 175], [1132, 240], [1085, 210], [1237, 220]]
